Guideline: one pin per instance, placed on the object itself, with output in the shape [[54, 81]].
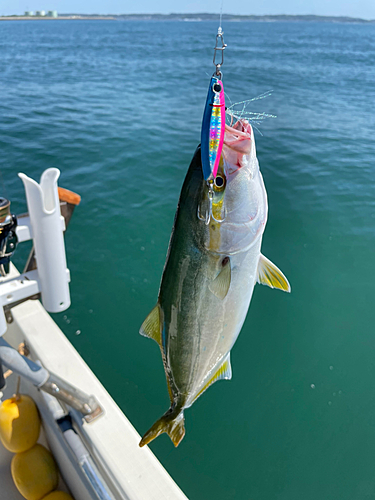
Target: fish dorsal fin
[[224, 372], [220, 285], [269, 274], [151, 325]]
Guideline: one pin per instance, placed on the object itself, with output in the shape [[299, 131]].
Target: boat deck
[[8, 491], [132, 472]]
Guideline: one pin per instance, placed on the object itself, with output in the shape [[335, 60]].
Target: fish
[[213, 262], [213, 128]]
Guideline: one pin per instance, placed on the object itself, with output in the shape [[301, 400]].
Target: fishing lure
[[213, 125], [213, 128]]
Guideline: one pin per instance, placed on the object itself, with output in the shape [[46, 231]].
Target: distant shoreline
[[59, 18], [191, 17]]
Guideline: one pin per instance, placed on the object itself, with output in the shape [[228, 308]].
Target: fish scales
[[213, 263]]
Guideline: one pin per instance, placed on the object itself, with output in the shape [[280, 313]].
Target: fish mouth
[[238, 142], [239, 136]]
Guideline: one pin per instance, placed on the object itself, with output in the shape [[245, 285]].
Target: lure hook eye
[[217, 88]]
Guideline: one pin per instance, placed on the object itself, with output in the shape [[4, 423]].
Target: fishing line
[[221, 13], [213, 124]]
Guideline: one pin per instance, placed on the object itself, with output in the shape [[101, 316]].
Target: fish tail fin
[[172, 422]]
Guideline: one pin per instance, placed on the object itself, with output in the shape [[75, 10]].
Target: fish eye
[[219, 182], [216, 87]]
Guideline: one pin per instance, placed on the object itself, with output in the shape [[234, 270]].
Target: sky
[[360, 8]]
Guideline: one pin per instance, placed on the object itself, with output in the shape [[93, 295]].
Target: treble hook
[[219, 39], [209, 213]]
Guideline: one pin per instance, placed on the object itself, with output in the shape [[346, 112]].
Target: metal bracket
[[219, 46], [48, 382]]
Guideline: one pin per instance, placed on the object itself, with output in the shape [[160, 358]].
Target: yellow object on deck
[[19, 423], [34, 472], [58, 495]]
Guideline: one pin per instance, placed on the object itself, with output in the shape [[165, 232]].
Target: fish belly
[[203, 328]]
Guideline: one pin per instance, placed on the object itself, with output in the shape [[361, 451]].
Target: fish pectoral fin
[[220, 285], [269, 274], [224, 372], [151, 325]]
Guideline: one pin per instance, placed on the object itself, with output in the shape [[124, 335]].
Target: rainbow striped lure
[[213, 128]]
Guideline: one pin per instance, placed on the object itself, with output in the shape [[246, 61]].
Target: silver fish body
[[213, 263]]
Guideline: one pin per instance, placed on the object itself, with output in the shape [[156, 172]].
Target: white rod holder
[[47, 232]]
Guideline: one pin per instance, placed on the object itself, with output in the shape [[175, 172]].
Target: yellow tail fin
[[172, 422]]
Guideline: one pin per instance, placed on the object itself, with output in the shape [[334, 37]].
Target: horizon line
[[205, 14]]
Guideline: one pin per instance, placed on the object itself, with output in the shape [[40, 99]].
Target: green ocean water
[[117, 107]]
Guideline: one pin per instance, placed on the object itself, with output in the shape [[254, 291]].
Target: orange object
[[69, 196]]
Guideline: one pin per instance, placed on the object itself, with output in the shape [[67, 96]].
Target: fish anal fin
[[224, 372], [151, 325], [170, 392], [172, 422], [269, 274], [220, 285]]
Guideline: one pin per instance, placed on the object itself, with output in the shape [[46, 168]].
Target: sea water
[[117, 107]]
